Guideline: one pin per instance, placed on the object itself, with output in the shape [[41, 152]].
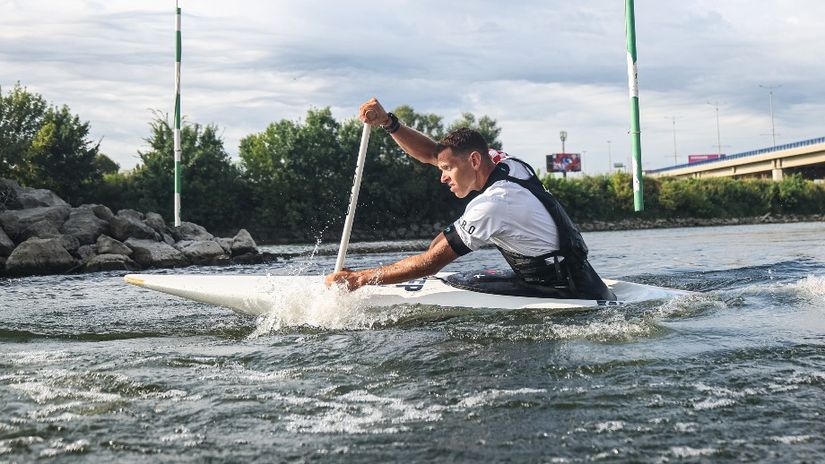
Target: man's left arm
[[425, 264]]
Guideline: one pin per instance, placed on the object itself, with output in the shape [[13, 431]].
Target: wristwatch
[[393, 124]]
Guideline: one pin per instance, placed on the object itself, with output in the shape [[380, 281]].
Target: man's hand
[[351, 280], [373, 113]]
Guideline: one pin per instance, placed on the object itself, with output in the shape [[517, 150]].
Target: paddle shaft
[[353, 199]]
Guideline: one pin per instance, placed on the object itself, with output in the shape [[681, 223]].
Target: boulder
[[101, 211], [40, 229], [225, 243], [39, 256], [69, 243], [110, 262], [203, 251], [156, 222], [190, 231], [14, 222], [108, 245], [84, 225], [2, 265], [243, 244], [6, 245], [124, 226], [130, 213], [156, 254], [26, 198], [86, 252]]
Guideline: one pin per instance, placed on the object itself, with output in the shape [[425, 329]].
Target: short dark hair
[[463, 141]]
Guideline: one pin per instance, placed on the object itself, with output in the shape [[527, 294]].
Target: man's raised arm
[[414, 143]]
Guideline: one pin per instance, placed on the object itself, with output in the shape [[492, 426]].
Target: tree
[[486, 125], [21, 115], [61, 158], [212, 192]]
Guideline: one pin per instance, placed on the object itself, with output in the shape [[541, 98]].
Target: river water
[[94, 370]]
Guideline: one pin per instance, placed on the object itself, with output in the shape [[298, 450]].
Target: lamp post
[[563, 138], [770, 102], [609, 158], [718, 136], [675, 158]]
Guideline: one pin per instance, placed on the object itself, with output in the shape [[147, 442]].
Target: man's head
[[464, 160]]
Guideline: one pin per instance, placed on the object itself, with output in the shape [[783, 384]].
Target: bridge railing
[[745, 154]]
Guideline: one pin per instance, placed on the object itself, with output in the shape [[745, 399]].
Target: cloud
[[536, 67]]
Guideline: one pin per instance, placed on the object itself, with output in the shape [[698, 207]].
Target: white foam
[[811, 285], [609, 426], [58, 447], [792, 439], [713, 403], [489, 396], [683, 452]]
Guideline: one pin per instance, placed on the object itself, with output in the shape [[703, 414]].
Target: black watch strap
[[393, 125]]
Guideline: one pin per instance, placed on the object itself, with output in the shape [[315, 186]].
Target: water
[[93, 370]]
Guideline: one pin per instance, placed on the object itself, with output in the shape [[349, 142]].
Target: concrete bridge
[[806, 157]]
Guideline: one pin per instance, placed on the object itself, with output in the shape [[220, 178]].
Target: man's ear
[[475, 159]]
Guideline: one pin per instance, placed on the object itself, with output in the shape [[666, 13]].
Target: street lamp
[[609, 158], [675, 159], [718, 136], [770, 102], [563, 137]]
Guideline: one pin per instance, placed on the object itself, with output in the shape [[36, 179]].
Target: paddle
[[353, 199]]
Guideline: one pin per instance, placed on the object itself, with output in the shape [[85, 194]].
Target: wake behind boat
[[258, 295]]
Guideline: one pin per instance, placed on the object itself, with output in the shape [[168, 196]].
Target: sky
[[536, 67]]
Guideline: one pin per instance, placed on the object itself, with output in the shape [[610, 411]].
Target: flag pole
[[177, 115], [633, 84]]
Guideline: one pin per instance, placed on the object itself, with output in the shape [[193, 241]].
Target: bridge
[[806, 157]]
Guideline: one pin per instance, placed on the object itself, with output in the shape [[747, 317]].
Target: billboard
[[698, 158], [564, 162]]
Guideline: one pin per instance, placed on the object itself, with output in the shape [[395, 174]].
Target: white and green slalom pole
[[353, 199], [177, 117], [633, 84]]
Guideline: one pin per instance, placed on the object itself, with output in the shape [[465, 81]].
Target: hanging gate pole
[[633, 84], [177, 116]]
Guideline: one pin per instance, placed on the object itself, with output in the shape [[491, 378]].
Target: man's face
[[457, 172]]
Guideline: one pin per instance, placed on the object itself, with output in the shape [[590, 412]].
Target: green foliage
[[486, 125], [611, 197], [211, 185], [21, 115]]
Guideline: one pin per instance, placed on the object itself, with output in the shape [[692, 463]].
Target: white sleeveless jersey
[[509, 216]]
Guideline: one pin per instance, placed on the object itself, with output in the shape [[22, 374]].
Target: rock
[[102, 212], [110, 262], [167, 238], [69, 243], [14, 222], [248, 258], [6, 245], [156, 222], [203, 251], [225, 243], [86, 252], [158, 254], [107, 245], [126, 225], [242, 243], [27, 198], [190, 231], [84, 225], [2, 265], [39, 256], [130, 213], [40, 229]]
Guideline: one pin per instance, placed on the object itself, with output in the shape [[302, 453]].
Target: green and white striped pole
[[633, 84], [177, 117]]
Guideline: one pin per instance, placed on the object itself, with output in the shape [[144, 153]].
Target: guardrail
[[745, 154]]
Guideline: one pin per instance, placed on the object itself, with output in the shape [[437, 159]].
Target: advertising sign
[[564, 162], [698, 158]]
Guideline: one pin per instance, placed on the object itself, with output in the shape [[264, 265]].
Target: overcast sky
[[537, 67]]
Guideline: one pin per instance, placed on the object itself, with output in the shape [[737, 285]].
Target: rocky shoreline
[[42, 234]]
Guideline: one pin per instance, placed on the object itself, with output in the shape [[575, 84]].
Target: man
[[513, 211]]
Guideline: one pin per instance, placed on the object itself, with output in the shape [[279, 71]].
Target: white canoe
[[257, 295]]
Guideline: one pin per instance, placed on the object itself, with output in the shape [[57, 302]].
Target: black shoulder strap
[[571, 243]]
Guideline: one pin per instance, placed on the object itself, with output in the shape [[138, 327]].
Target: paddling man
[[513, 211]]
